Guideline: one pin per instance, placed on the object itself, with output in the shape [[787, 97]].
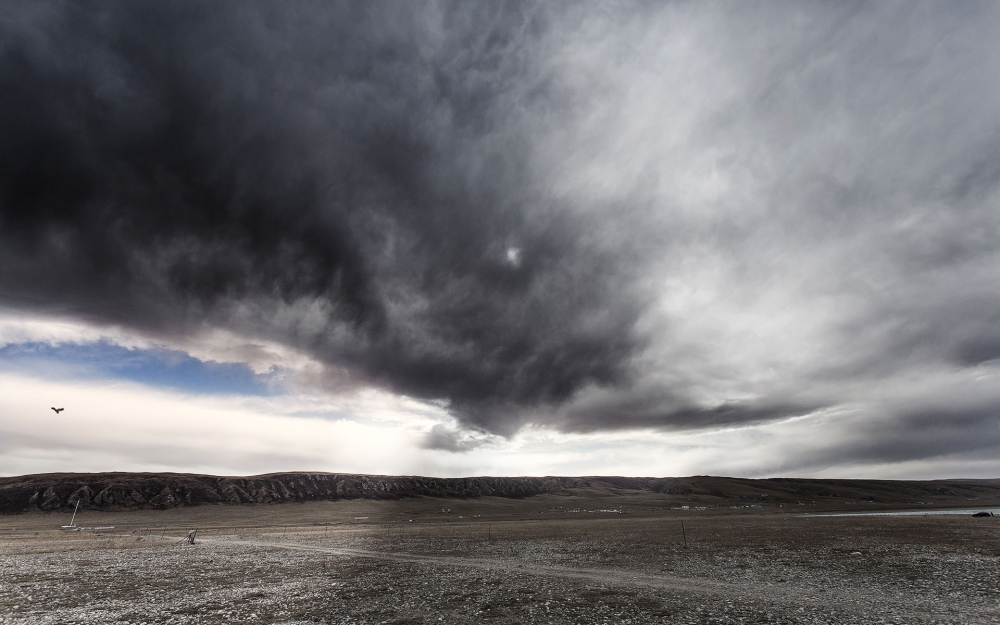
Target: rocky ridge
[[114, 491]]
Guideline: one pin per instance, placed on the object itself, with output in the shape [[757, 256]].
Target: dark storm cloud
[[448, 439], [656, 409], [966, 432], [167, 165], [671, 216]]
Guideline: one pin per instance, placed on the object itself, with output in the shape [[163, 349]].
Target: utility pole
[[684, 534], [72, 522]]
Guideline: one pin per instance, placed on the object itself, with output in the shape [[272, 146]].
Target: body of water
[[962, 511]]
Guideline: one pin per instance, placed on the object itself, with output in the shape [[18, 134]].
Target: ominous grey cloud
[[589, 216], [941, 430], [449, 439], [336, 177]]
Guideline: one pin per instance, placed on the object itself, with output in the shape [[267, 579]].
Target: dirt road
[[304, 566], [862, 601]]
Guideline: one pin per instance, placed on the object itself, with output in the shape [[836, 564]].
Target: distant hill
[[117, 491]]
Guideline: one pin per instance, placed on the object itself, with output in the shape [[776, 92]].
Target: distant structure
[[58, 410], [72, 522]]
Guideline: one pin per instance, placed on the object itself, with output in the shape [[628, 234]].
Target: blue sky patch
[[158, 367]]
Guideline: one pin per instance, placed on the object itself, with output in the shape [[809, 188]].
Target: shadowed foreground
[[550, 558]]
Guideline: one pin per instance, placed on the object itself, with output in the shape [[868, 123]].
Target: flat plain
[[583, 558]]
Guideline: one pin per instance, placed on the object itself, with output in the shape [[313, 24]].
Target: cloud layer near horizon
[[674, 217]]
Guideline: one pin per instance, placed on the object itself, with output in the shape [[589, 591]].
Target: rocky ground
[[370, 565]]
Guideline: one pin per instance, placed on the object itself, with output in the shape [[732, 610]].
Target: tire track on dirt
[[868, 601]]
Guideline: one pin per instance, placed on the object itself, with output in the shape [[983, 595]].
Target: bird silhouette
[[58, 410]]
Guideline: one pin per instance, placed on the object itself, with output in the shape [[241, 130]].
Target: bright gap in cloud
[[132, 405], [154, 366], [125, 426]]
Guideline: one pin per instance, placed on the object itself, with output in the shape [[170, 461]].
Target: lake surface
[[965, 511]]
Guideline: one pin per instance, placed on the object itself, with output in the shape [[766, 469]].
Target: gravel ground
[[761, 569]]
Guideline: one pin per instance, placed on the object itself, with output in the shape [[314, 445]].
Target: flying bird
[[58, 410]]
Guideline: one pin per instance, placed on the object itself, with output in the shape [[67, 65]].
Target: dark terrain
[[121, 491], [697, 551]]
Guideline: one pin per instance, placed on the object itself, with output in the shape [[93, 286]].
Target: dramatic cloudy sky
[[501, 238]]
